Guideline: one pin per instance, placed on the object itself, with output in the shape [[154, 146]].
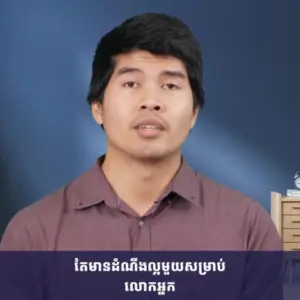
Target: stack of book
[[293, 193]]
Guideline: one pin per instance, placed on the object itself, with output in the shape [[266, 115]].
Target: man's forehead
[[141, 61]]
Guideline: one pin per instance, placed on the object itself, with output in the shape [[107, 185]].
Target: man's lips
[[150, 124]]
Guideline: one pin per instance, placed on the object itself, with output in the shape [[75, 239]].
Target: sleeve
[[16, 236], [17, 274], [263, 234], [263, 273]]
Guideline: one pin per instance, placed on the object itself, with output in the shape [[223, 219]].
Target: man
[[146, 93]]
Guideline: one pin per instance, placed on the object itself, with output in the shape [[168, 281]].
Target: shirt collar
[[92, 187], [186, 183]]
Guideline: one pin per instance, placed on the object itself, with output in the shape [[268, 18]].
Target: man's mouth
[[149, 128]]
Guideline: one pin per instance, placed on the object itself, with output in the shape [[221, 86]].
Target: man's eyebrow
[[171, 73], [165, 73], [126, 70]]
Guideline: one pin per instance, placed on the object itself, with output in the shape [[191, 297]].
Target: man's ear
[[194, 117], [97, 111]]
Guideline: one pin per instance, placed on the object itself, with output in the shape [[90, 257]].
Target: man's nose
[[151, 100], [151, 106]]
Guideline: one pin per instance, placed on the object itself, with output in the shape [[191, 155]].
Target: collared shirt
[[195, 213]]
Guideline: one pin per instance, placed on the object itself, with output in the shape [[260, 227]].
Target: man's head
[[146, 86]]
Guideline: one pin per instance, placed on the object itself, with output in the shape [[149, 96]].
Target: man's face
[[147, 111]]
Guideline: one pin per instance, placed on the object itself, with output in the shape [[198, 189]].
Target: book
[[293, 193]]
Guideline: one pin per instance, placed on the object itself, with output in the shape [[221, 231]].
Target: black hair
[[157, 33]]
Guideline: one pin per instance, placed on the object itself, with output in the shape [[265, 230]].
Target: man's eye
[[130, 84], [170, 86]]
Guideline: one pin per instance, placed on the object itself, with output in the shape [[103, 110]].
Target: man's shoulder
[[216, 193], [252, 215], [61, 199], [44, 215], [47, 205]]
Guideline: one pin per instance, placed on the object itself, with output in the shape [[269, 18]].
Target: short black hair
[[157, 33]]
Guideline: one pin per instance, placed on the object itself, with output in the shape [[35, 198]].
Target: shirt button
[[141, 223]]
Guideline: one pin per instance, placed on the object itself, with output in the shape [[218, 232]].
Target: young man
[[146, 92]]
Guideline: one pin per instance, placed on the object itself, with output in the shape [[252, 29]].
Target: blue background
[[246, 138]]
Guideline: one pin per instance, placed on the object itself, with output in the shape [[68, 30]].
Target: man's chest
[[168, 231]]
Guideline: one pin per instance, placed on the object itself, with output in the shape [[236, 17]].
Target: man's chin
[[148, 154], [152, 156]]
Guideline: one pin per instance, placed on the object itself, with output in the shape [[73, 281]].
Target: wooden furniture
[[285, 213]]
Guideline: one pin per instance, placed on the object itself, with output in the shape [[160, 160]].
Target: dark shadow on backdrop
[[7, 207]]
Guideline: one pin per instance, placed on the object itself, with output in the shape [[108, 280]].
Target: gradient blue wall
[[247, 137]]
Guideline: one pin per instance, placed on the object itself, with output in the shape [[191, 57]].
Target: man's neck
[[136, 182]]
